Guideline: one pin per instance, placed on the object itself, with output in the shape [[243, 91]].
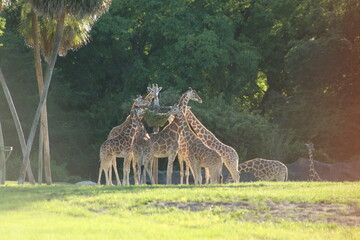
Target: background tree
[[273, 74]]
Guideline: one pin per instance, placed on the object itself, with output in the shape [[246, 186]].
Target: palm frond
[[76, 33], [91, 9]]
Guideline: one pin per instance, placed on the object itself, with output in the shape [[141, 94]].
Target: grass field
[[261, 210]]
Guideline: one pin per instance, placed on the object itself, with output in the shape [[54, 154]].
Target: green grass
[[144, 212]]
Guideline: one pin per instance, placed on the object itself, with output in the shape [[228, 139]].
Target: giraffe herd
[[186, 138]]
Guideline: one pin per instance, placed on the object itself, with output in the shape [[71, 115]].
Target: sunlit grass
[[118, 212]]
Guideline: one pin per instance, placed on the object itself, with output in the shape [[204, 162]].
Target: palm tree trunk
[[49, 71], [17, 125], [44, 138]]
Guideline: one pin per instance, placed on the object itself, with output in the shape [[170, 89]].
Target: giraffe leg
[[155, 171], [207, 176], [181, 166], [100, 172], [110, 171], [196, 170], [149, 170], [118, 182], [126, 170], [216, 175], [199, 176], [169, 169], [107, 182], [187, 171], [135, 165]]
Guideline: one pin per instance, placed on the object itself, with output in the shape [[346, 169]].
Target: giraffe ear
[[149, 89], [160, 89]]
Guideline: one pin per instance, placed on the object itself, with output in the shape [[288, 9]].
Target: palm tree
[[39, 34], [59, 10]]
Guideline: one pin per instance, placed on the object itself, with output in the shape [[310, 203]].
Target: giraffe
[[142, 155], [313, 175], [143, 152], [265, 170], [198, 155], [228, 154], [139, 102], [119, 146], [166, 143]]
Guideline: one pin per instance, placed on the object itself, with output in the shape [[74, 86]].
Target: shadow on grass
[[16, 197]]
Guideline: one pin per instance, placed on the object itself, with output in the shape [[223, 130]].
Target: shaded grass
[[129, 212]]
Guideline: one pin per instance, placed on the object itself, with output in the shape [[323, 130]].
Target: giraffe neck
[[184, 100], [149, 97], [311, 159], [185, 129], [202, 132], [134, 125]]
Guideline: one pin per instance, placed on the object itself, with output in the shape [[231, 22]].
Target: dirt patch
[[342, 214]]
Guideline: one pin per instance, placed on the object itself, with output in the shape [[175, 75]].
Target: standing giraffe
[[118, 130], [198, 155], [228, 154], [313, 175], [166, 143], [265, 170], [143, 152], [119, 146], [142, 155]]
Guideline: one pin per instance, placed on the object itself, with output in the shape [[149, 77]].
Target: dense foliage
[[273, 75]]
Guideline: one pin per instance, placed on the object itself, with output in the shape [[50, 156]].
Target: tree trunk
[[48, 75], [2, 159], [17, 125], [44, 146]]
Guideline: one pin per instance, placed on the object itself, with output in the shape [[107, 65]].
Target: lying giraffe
[[265, 170], [313, 175], [166, 143], [198, 155], [119, 146]]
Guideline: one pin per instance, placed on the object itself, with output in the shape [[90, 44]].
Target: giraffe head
[[174, 111], [139, 102], [310, 146], [192, 95], [139, 112], [154, 91]]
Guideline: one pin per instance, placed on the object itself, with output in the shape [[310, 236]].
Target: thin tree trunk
[[49, 71], [17, 125], [41, 157], [2, 159], [44, 138]]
